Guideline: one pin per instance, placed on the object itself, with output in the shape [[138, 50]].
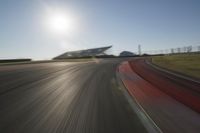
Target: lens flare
[[60, 23]]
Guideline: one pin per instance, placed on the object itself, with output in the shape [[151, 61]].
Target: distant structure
[[126, 53], [139, 50], [84, 53]]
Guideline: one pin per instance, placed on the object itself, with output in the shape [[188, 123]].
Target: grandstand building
[[84, 53]]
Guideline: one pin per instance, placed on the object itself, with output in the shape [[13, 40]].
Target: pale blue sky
[[155, 24]]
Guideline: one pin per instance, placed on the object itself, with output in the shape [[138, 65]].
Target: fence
[[178, 50]]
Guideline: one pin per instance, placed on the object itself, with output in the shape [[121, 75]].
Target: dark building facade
[[126, 53]]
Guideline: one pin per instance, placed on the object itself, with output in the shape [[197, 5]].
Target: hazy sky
[[155, 24]]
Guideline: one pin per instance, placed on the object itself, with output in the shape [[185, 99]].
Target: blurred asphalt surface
[[63, 97]]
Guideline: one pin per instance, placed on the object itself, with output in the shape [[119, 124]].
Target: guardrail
[[14, 60]]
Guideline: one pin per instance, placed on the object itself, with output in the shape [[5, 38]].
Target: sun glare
[[60, 23]]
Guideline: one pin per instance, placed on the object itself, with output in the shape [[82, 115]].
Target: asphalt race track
[[90, 97], [170, 101], [63, 97]]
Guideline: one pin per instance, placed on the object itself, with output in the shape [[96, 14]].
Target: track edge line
[[148, 123]]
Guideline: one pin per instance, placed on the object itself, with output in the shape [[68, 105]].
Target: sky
[[154, 24]]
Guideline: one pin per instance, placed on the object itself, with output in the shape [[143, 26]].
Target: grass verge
[[188, 64]]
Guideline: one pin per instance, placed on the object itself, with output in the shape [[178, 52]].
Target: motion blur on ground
[[104, 66]]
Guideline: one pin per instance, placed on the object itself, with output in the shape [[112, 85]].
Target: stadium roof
[[84, 53]]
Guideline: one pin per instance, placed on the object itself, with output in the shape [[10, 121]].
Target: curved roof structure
[[84, 53], [126, 53]]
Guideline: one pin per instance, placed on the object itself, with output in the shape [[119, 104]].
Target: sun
[[60, 23]]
